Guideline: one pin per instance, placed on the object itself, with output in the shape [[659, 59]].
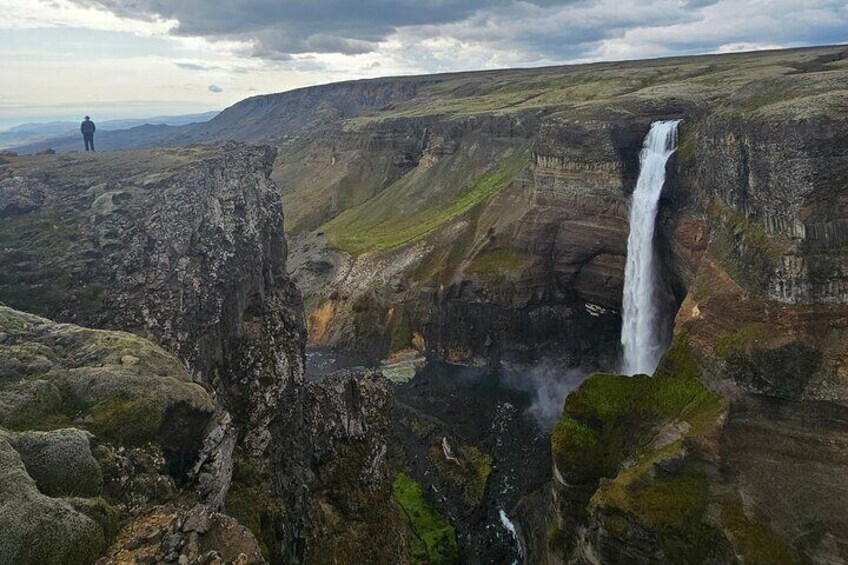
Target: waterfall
[[642, 342]]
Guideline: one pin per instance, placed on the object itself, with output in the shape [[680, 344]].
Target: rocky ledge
[[210, 445]]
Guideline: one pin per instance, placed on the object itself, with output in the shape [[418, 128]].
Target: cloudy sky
[[139, 58]]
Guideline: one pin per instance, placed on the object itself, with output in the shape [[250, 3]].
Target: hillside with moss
[[496, 197], [98, 429], [173, 421], [451, 222]]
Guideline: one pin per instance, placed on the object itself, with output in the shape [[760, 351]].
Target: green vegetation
[[420, 426], [104, 515], [755, 541], [745, 250], [360, 230], [42, 264], [250, 500], [558, 541], [577, 451], [446, 255], [610, 415], [686, 145], [41, 529], [470, 475], [116, 384], [133, 422], [642, 420], [741, 339], [479, 465], [493, 263], [674, 507], [435, 537]]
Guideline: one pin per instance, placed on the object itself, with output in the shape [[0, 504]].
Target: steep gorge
[[481, 220], [751, 254], [184, 247]]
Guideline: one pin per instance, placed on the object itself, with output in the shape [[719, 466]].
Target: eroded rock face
[[186, 247], [542, 257], [350, 504], [117, 422], [752, 222]]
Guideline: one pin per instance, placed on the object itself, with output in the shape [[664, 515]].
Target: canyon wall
[[185, 247]]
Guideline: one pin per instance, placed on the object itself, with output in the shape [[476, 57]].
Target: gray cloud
[[215, 88], [195, 66], [280, 28], [491, 32]]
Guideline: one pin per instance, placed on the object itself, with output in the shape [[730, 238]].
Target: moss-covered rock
[[611, 417], [435, 538], [248, 501], [115, 384], [631, 432], [468, 471], [36, 529], [753, 540], [60, 462], [104, 514], [147, 415]]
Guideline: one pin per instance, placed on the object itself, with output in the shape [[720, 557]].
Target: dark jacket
[[87, 127]]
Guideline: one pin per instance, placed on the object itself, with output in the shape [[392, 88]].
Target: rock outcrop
[[102, 429], [184, 247], [478, 219], [752, 231]]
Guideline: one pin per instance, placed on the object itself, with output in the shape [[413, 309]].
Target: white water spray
[[640, 331]]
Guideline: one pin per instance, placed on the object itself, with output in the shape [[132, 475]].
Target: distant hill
[[56, 134], [272, 118]]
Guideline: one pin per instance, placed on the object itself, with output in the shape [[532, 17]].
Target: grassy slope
[[419, 203], [435, 539], [772, 78], [763, 84], [612, 427]]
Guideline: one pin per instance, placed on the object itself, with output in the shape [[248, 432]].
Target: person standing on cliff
[[87, 128]]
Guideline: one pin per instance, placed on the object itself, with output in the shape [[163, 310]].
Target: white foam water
[[641, 339], [510, 527]]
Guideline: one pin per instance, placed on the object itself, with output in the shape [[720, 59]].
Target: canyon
[[379, 363]]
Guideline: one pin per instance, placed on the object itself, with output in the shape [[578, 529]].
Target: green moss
[[674, 507], [130, 421], [421, 427], [66, 373], [401, 326], [744, 249], [34, 404], [478, 468], [576, 451], [105, 515], [433, 531], [42, 263], [686, 145], [617, 525], [677, 391], [445, 257], [754, 540], [740, 339], [358, 230], [611, 419], [559, 542], [469, 476], [669, 501], [609, 416], [250, 500], [493, 263]]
